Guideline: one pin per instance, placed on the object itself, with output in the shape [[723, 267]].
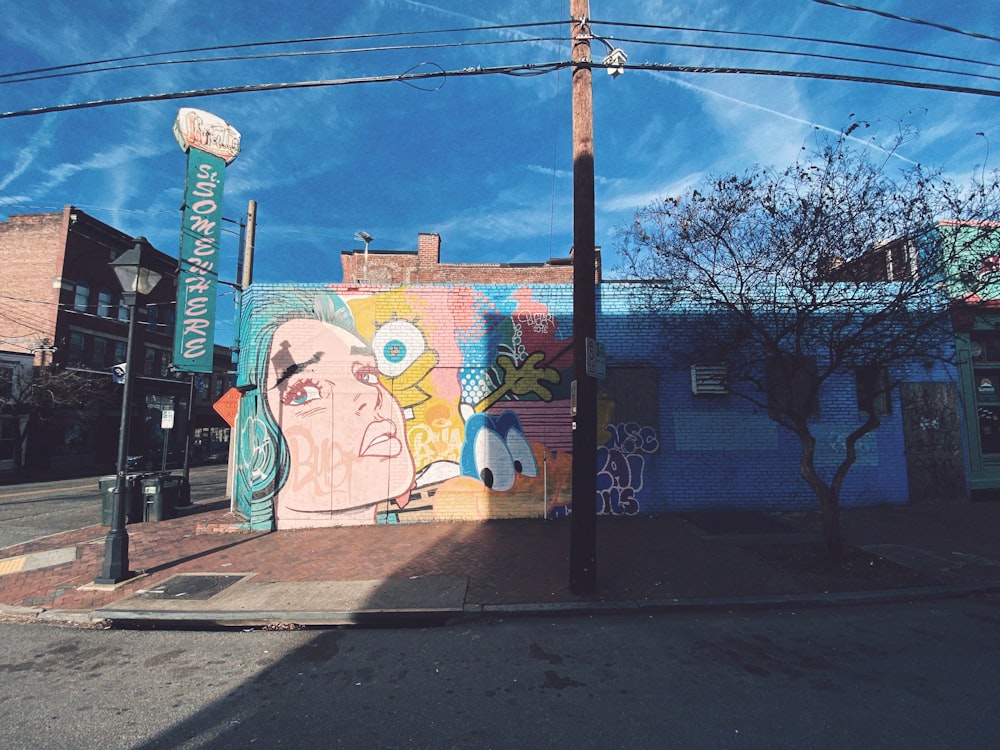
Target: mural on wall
[[413, 404], [621, 462]]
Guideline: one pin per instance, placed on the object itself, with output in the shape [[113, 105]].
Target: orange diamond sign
[[227, 405]]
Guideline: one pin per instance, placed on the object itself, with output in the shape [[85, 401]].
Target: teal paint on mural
[[972, 253], [201, 230], [723, 431]]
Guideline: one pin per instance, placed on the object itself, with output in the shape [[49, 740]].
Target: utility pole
[[245, 274], [583, 529]]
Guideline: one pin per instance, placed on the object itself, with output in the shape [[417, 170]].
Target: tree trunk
[[828, 497], [833, 539]]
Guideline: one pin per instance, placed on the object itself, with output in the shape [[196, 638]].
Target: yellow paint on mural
[[12, 565], [467, 499]]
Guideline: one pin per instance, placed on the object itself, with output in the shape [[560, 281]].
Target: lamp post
[[136, 278], [366, 238]]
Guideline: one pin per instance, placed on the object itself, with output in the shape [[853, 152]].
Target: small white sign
[[597, 361], [167, 419]]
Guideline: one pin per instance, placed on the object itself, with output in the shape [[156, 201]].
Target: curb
[[412, 618], [744, 603], [79, 617]]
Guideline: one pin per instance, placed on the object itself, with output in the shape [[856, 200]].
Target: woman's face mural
[[345, 432]]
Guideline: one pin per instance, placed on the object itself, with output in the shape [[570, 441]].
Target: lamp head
[[133, 269]]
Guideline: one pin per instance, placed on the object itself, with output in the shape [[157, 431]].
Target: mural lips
[[380, 440]]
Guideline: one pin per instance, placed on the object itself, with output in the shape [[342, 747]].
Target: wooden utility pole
[[246, 270], [583, 530]]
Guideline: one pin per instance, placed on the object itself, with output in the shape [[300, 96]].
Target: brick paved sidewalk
[[527, 561]]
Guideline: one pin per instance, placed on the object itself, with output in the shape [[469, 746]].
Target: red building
[[424, 266], [61, 309]]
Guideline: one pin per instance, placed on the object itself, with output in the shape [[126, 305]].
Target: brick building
[[436, 402], [394, 267], [61, 311]]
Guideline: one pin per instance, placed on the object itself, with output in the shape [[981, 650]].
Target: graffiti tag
[[620, 466]]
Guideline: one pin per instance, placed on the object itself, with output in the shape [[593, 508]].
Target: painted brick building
[[430, 402]]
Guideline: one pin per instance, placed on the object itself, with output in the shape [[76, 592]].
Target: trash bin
[[133, 500], [160, 495]]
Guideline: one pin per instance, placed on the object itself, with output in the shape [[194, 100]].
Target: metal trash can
[[160, 495], [133, 500]]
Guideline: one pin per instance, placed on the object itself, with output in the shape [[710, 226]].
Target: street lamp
[[136, 278], [366, 238]]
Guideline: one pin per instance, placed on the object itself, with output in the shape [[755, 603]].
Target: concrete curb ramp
[[238, 599]]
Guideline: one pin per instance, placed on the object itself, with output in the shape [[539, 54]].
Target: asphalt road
[[907, 676], [31, 511]]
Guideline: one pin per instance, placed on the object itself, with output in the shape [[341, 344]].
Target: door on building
[[933, 442], [979, 370]]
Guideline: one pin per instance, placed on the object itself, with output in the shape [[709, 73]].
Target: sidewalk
[[199, 570]]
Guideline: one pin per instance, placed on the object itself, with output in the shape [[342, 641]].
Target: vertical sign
[[211, 144]]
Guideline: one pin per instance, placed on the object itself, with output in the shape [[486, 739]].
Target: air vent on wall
[[709, 380]]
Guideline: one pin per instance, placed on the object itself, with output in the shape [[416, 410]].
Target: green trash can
[[133, 501], [171, 489], [160, 495]]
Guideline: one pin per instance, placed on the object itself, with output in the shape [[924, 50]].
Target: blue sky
[[486, 160]]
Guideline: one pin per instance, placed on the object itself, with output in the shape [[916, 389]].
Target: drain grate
[[190, 586]]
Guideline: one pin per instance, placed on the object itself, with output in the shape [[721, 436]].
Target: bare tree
[[41, 393], [837, 265]]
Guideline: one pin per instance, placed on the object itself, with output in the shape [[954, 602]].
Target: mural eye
[[520, 453], [494, 465], [397, 345], [366, 374], [301, 392]]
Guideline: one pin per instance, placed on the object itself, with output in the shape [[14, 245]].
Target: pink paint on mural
[[345, 431]]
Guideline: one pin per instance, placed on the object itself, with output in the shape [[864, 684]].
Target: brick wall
[[386, 267], [460, 359], [32, 248]]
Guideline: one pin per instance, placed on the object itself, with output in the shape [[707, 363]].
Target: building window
[[81, 298], [104, 302], [149, 362], [872, 385], [119, 353], [99, 357], [221, 382], [8, 438], [77, 348], [792, 387], [6, 381], [168, 321], [122, 310], [153, 316]]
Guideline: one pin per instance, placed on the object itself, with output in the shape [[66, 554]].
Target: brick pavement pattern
[[525, 561]]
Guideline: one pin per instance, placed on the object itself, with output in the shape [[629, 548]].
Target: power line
[[9, 78], [304, 40], [919, 21], [512, 70], [77, 68], [816, 55], [786, 37]]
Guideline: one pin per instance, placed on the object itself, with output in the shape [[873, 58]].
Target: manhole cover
[[193, 586]]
